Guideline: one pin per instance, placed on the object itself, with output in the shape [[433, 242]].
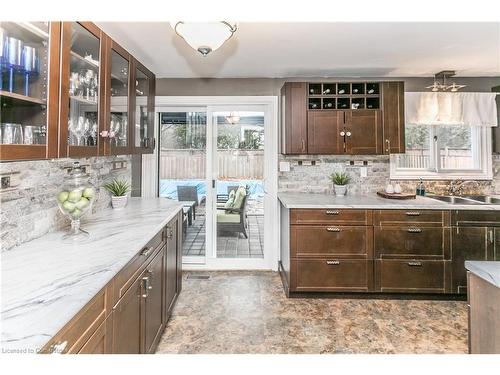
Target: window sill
[[428, 175]]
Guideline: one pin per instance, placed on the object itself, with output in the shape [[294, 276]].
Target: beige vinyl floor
[[247, 312]]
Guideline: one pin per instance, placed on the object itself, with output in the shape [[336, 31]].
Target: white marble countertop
[[45, 282], [487, 270], [373, 201]]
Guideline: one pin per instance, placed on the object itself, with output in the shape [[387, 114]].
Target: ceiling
[[277, 50]]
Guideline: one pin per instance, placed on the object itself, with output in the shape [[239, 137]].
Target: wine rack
[[343, 96]]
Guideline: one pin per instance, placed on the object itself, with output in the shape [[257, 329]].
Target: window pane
[[183, 130], [455, 147], [417, 154]]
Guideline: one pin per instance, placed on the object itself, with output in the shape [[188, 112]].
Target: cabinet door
[[81, 102], [178, 244], [171, 273], [153, 306], [143, 96], [323, 132], [363, 132], [496, 247], [393, 117], [29, 90], [128, 321], [100, 341], [116, 116], [294, 118], [467, 243]]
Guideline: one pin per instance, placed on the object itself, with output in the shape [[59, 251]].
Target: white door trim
[[271, 231]]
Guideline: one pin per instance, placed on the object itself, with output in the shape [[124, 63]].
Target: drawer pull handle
[[146, 251], [58, 348], [333, 229], [332, 212], [415, 264], [414, 230], [413, 213], [333, 262], [145, 287]]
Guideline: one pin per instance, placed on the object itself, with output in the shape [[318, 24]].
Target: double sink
[[467, 199]]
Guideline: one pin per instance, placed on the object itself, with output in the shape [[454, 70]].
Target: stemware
[[3, 54], [28, 134], [12, 134], [15, 58], [30, 65]]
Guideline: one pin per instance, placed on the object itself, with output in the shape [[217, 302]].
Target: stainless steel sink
[[455, 200], [486, 199]]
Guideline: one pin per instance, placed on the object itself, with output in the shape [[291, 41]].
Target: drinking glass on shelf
[[15, 58], [79, 129], [29, 134], [12, 134], [30, 65]]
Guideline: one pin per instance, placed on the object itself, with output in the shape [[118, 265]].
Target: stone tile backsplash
[[315, 178], [30, 210]]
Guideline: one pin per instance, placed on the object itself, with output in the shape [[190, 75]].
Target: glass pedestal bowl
[[75, 199]]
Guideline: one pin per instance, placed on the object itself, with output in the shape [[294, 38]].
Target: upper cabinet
[[143, 119], [29, 87], [359, 118], [69, 90], [81, 102]]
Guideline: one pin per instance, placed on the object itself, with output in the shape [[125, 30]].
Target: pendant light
[[442, 86], [204, 37], [233, 118]]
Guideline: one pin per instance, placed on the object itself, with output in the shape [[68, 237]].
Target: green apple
[[68, 206], [89, 193], [82, 203], [76, 213], [75, 195], [62, 196]]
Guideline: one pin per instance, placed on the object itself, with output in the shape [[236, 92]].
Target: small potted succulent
[[118, 190], [340, 181]]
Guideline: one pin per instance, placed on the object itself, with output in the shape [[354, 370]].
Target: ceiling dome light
[[204, 37]]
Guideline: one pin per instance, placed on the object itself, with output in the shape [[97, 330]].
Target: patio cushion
[[223, 217], [240, 195], [230, 200]]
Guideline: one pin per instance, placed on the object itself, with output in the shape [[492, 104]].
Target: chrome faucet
[[456, 187]]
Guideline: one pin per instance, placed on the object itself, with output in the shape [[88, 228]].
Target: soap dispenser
[[421, 188]]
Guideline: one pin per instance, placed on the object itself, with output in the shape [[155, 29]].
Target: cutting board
[[383, 194]]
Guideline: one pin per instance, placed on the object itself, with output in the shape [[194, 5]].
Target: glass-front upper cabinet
[[29, 86], [81, 100], [117, 108], [143, 132]]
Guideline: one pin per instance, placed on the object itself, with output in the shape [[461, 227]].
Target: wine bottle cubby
[[344, 95]]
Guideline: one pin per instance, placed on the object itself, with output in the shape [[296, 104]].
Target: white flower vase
[[340, 190], [119, 202]]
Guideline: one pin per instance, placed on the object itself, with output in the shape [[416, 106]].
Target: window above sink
[[444, 152]]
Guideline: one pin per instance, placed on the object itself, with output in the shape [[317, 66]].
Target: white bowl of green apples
[[76, 202]]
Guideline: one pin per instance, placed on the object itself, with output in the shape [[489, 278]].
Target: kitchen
[[338, 204]]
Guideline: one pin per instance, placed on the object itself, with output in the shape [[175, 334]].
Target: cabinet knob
[[342, 133], [348, 134]]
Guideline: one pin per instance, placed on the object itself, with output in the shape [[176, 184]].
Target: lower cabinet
[[129, 315]]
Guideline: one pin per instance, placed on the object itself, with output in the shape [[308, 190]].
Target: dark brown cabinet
[[323, 132], [29, 90], [82, 96], [393, 115], [130, 314], [359, 118], [294, 118], [128, 321], [154, 285], [363, 130]]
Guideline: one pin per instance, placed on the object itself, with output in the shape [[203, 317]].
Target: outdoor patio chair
[[234, 218], [221, 198], [189, 194]]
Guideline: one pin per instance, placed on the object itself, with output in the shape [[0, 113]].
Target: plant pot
[[119, 202], [340, 190]]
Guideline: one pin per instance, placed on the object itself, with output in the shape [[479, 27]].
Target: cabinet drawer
[[72, 337], [396, 217], [341, 241], [412, 242], [331, 275], [410, 276], [329, 216], [475, 218], [125, 278]]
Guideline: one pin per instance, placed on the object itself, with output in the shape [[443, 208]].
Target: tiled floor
[[247, 312], [229, 244]]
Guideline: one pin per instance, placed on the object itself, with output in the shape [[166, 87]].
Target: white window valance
[[451, 108]]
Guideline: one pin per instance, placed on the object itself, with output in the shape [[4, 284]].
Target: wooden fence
[[451, 159], [187, 164]]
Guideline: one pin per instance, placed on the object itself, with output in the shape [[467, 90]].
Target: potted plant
[[340, 181], [118, 190]]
